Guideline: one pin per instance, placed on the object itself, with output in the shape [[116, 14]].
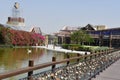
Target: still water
[[15, 58]]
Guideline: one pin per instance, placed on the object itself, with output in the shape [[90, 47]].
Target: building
[[36, 30], [104, 37], [100, 27], [15, 21], [107, 37], [50, 39], [64, 34], [101, 35]]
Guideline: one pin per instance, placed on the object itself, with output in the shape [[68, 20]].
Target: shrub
[[83, 48], [65, 46], [20, 38]]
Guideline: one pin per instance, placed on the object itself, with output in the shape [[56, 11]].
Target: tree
[[20, 38], [80, 36], [75, 37]]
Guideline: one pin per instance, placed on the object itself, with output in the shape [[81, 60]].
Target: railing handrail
[[35, 67], [40, 66]]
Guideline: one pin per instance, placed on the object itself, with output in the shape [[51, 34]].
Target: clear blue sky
[[52, 15]]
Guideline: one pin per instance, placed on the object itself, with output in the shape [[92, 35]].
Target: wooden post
[[31, 64], [110, 43], [100, 39], [109, 51], [91, 56], [102, 54], [85, 60], [105, 52], [85, 57], [95, 56], [78, 56], [53, 66], [90, 63], [68, 58]]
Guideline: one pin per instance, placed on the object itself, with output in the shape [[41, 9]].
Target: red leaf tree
[[21, 38]]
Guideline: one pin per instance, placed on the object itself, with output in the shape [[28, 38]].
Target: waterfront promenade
[[111, 73], [85, 67], [59, 49]]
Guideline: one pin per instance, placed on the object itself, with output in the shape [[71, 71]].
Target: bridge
[[81, 67]]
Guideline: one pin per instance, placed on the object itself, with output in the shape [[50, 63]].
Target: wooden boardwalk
[[111, 73]]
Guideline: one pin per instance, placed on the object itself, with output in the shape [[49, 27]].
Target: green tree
[[80, 36]]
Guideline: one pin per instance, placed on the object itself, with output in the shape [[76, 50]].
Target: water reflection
[[15, 58]]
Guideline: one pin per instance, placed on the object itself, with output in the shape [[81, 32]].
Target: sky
[[53, 15]]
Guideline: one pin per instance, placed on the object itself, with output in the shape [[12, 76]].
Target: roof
[[88, 27], [63, 33], [69, 28], [36, 30]]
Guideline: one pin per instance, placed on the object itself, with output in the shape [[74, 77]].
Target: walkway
[[59, 49], [111, 73]]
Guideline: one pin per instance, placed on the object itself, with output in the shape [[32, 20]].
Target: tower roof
[[16, 5]]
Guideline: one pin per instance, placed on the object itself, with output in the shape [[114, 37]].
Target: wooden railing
[[33, 67]]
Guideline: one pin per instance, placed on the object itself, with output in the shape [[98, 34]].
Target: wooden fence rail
[[32, 67]]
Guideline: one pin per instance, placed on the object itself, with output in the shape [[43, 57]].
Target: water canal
[[15, 58]]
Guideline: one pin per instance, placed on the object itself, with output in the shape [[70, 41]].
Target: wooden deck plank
[[111, 73]]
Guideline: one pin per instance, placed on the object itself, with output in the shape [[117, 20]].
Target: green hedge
[[78, 47], [71, 46]]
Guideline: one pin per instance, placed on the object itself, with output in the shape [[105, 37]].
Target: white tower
[[16, 20], [16, 10]]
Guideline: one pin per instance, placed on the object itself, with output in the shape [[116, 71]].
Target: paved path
[[111, 73], [59, 49]]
